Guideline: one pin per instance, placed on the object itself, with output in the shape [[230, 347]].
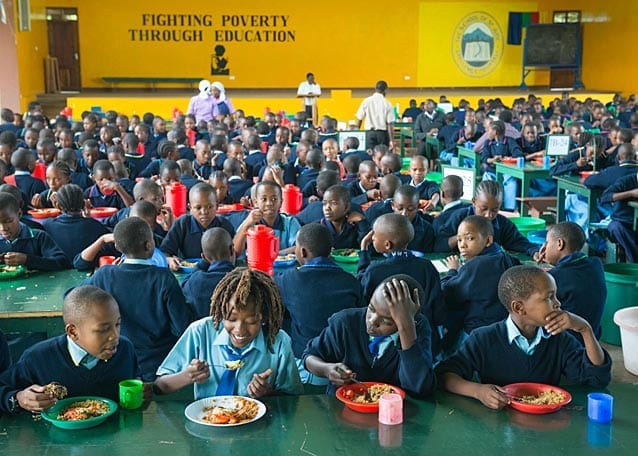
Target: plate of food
[[44, 213], [103, 212], [346, 255], [81, 412], [283, 261], [11, 272], [537, 398], [353, 395], [226, 208], [585, 174], [509, 160], [188, 265], [225, 411]]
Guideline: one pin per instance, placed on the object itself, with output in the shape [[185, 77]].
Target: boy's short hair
[[13, 191], [339, 192], [389, 185], [9, 203], [483, 225], [331, 166], [21, 158], [314, 158], [315, 238], [452, 187], [398, 227], [571, 233], [8, 138], [232, 166], [351, 163], [518, 283], [326, 179], [185, 166], [216, 243], [144, 188], [412, 284], [268, 183], [103, 166], [218, 175], [202, 187], [80, 301], [131, 236], [143, 209], [408, 191]]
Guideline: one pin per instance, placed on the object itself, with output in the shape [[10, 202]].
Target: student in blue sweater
[[217, 251], [23, 161], [388, 187], [70, 230], [22, 245], [106, 192], [57, 175], [470, 289], [487, 201], [428, 190], [451, 193], [390, 236], [621, 226], [154, 311], [306, 294], [406, 203], [184, 239], [90, 359], [347, 228], [239, 349], [389, 341], [580, 279], [532, 345]]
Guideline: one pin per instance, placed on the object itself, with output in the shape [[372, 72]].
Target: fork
[[366, 388]]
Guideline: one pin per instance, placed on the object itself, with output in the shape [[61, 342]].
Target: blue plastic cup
[[546, 162], [520, 162], [600, 407]]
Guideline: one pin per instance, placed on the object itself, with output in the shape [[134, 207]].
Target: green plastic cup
[[131, 394]]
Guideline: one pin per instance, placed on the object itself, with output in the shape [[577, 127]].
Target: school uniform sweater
[[581, 287], [312, 213], [488, 353], [305, 176], [345, 340], [99, 199], [426, 188], [188, 181], [73, 233], [184, 239], [442, 219], [238, 187], [423, 240], [154, 311], [350, 236], [506, 147], [254, 161], [611, 175], [505, 233], [421, 269], [472, 291], [377, 209], [567, 165], [314, 292], [41, 250], [49, 361], [198, 287], [29, 185], [622, 212]]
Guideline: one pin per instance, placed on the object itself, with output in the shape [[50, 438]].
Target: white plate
[[195, 411]]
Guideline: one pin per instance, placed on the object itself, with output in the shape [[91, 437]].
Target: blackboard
[[552, 45]]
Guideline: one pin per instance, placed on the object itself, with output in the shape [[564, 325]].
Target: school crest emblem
[[477, 44]]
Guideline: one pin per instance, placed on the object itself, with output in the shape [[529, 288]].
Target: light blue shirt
[[158, 259], [201, 341], [528, 347], [386, 343], [79, 356]]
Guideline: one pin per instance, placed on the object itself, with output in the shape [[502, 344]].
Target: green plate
[[339, 258], [17, 272], [51, 414]]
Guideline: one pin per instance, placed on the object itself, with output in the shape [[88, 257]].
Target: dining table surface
[[318, 424]]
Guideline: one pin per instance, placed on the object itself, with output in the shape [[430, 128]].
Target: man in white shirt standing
[[309, 90], [379, 116]]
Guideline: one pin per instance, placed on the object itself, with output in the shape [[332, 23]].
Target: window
[[566, 17]]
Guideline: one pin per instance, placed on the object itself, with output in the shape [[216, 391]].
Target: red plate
[[585, 174], [226, 208], [44, 213], [101, 212], [343, 393], [534, 389], [509, 160]]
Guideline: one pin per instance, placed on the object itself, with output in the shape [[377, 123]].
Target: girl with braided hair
[[240, 349]]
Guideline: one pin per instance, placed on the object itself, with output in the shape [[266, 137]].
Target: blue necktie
[[373, 346], [227, 383]]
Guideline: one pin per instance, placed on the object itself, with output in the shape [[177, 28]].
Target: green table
[[463, 152], [406, 133], [526, 174], [573, 184], [320, 425]]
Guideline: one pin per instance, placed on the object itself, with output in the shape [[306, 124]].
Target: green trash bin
[[528, 224], [622, 292]]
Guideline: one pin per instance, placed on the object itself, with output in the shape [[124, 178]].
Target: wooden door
[[64, 45]]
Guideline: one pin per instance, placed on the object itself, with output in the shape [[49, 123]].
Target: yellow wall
[[347, 44]]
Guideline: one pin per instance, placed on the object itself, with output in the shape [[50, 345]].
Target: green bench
[[153, 81]]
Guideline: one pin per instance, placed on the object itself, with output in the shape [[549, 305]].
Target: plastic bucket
[[528, 224], [537, 237], [627, 319], [622, 292]]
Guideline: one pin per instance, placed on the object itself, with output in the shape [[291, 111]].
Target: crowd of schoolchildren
[[232, 330]]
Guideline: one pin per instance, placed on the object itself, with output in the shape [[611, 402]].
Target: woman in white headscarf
[[221, 103], [201, 105]]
